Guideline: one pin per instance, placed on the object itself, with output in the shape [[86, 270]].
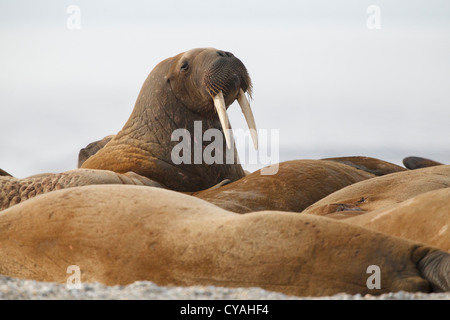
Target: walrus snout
[[227, 74], [226, 79]]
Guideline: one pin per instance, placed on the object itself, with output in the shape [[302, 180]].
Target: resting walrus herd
[[143, 206]]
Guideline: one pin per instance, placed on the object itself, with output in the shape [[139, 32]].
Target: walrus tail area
[[435, 267]]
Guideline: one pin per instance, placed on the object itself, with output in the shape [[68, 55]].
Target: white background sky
[[331, 86]]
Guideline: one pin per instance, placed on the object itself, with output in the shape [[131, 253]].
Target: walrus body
[[296, 185], [414, 204], [176, 239], [424, 218], [371, 165], [14, 190], [381, 192], [91, 149]]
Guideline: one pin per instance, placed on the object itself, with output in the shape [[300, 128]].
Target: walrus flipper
[[435, 267], [418, 163]]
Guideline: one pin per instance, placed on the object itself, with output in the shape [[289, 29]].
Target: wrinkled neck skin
[[144, 145]]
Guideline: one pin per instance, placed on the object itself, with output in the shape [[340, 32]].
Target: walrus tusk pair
[[219, 103]]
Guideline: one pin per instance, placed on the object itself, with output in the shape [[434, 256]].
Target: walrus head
[[197, 85], [208, 81]]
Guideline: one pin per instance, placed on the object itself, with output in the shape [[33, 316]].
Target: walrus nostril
[[225, 54]]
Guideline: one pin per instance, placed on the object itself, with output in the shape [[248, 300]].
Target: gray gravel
[[14, 289]]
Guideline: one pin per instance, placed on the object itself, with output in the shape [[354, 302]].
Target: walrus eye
[[184, 66]]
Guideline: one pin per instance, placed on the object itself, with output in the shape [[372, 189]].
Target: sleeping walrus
[[119, 234]]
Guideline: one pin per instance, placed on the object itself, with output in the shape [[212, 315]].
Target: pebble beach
[[18, 289]]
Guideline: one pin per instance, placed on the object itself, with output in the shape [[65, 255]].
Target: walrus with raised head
[[191, 92]]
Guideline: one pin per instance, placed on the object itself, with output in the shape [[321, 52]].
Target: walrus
[[175, 239], [189, 92], [91, 149], [381, 192], [424, 218], [419, 162], [3, 173], [14, 190], [297, 185], [372, 165]]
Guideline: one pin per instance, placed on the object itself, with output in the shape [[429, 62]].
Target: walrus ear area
[[178, 68]]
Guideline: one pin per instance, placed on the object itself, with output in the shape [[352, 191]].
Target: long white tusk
[[219, 103], [248, 114]]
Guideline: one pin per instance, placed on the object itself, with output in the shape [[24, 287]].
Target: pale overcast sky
[[328, 83]]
